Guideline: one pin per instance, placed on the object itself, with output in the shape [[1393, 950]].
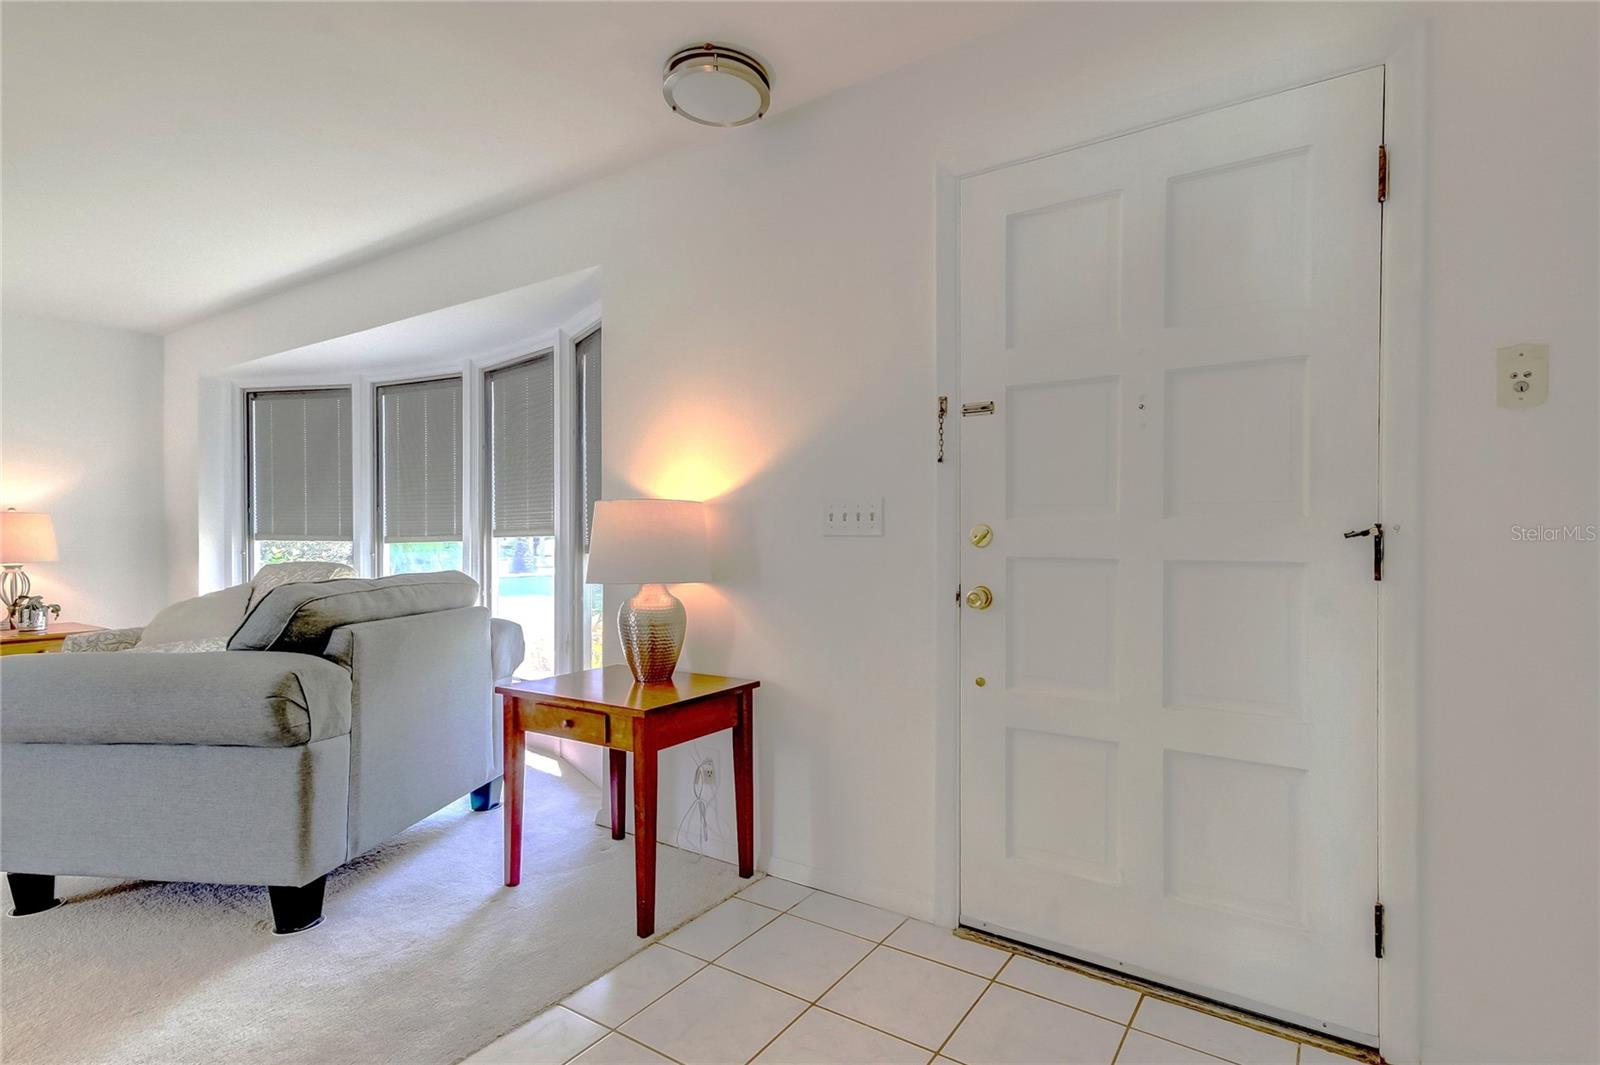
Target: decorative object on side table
[[30, 613], [25, 537], [654, 542], [17, 642]]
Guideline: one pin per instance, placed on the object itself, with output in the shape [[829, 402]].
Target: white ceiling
[[505, 324], [162, 161]]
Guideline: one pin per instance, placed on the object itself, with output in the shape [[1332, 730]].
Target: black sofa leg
[[32, 893], [488, 796], [295, 909]]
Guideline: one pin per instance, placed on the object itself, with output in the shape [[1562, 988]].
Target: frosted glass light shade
[[26, 536], [648, 541]]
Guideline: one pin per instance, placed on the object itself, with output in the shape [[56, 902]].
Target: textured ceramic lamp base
[[13, 586], [651, 625]]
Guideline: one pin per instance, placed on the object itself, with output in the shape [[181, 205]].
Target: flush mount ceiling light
[[715, 85]]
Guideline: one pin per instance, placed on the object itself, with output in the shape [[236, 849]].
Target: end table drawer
[[583, 725]]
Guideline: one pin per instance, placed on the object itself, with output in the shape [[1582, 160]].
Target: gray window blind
[[522, 448], [419, 461], [300, 465], [589, 426]]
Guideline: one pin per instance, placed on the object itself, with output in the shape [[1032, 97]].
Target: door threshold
[[1260, 1022]]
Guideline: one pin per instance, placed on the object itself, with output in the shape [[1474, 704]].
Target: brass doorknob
[[980, 598], [980, 535]]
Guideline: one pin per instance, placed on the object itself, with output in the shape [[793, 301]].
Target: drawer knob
[[567, 722]]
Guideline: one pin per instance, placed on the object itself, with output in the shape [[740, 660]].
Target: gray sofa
[[341, 712]]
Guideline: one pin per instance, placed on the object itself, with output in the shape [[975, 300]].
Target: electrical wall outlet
[[1524, 375], [856, 517]]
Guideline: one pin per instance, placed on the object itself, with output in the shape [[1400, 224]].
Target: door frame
[[1403, 53]]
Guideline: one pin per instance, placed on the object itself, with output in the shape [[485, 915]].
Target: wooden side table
[[13, 642], [608, 708]]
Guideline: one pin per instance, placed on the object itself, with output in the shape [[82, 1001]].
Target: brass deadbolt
[[981, 535], [980, 598]]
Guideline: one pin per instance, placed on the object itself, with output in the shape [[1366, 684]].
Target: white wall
[[80, 437], [770, 314], [1509, 734]]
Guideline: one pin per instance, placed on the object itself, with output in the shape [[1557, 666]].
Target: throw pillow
[[280, 573], [182, 647], [205, 617], [299, 617]]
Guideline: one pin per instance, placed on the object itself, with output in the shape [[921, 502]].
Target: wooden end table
[[14, 642], [606, 707]]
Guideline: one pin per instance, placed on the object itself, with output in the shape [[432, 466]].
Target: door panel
[[1171, 765]]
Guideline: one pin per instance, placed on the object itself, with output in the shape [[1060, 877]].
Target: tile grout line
[[661, 941], [815, 1003], [1127, 1028], [1143, 997], [590, 1046], [1199, 1004], [991, 981], [1198, 1050], [1059, 1002], [704, 965], [830, 987], [946, 964], [951, 1034], [618, 1028]]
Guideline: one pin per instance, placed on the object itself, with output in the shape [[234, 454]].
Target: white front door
[[1168, 714]]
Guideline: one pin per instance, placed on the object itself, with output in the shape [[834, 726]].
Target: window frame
[[363, 384], [244, 556], [569, 613], [375, 456]]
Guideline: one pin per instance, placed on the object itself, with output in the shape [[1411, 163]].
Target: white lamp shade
[[26, 537], [648, 541]]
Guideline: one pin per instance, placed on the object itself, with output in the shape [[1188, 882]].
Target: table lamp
[[24, 537], [654, 542]]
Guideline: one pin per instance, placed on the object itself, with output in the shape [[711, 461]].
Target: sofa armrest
[[105, 640], [506, 647], [422, 724]]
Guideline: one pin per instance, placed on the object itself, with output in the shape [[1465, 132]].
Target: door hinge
[[1376, 532], [1383, 173], [969, 409], [1377, 930], [958, 595], [944, 408]]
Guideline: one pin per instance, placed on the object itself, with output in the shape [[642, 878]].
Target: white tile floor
[[784, 975]]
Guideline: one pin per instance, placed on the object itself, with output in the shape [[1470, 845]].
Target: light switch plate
[[1524, 375], [853, 517]]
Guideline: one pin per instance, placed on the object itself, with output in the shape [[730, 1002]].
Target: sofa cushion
[[205, 617], [299, 617], [225, 698]]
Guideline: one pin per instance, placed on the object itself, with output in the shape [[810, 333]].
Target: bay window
[[490, 466]]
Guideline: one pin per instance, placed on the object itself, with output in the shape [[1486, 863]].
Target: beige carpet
[[424, 957]]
